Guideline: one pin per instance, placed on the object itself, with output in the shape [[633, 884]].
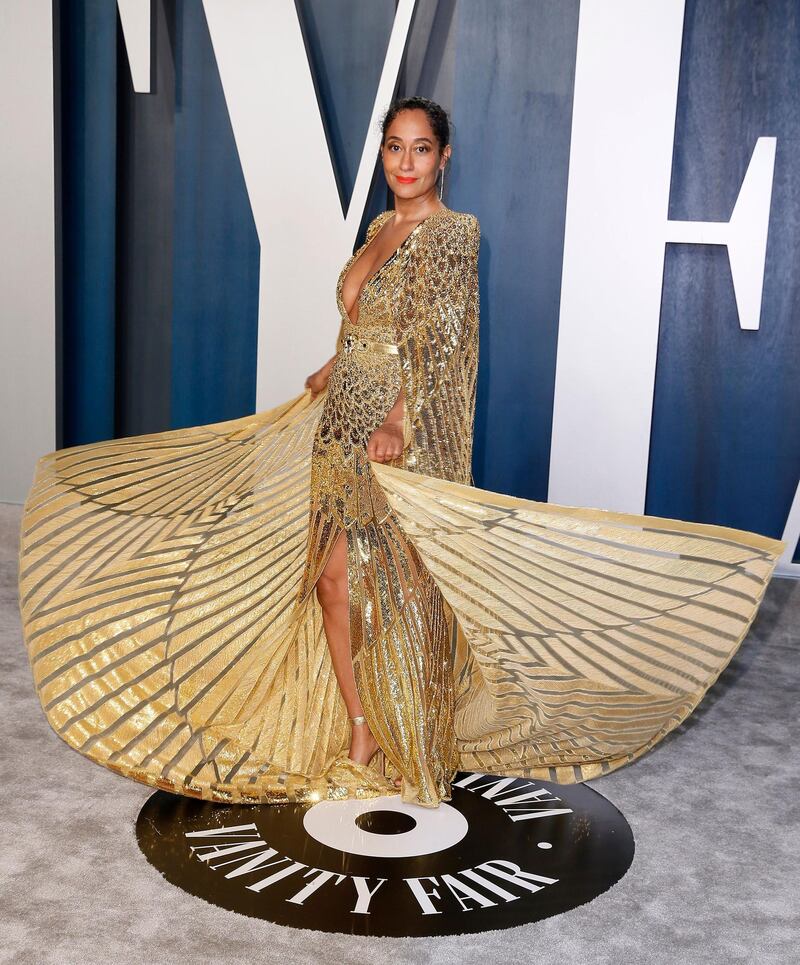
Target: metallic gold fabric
[[585, 636], [166, 583]]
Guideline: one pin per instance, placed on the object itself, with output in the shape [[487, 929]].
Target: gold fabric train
[[166, 583]]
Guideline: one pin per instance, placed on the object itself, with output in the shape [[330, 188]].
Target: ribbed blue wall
[[514, 77], [346, 43], [216, 251], [87, 101]]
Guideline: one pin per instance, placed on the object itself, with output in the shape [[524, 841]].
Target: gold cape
[[166, 583]]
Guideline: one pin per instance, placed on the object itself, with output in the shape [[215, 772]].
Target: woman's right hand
[[318, 381]]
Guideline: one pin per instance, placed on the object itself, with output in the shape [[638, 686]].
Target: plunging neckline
[[362, 250]]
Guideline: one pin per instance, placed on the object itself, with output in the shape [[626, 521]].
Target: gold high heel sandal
[[357, 721]]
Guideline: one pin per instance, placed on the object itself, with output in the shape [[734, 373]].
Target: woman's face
[[410, 155]]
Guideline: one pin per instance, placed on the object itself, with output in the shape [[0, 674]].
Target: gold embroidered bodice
[[416, 327]]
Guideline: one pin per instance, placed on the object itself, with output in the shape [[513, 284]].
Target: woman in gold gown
[[167, 580]]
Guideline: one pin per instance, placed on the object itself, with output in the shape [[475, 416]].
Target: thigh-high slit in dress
[[166, 583]]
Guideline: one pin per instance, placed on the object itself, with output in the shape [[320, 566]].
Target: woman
[[412, 291], [247, 611]]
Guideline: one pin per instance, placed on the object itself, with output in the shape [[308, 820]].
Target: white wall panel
[[27, 246]]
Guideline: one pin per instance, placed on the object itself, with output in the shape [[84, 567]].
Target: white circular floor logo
[[503, 852], [346, 826]]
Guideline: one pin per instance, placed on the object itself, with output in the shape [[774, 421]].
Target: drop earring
[[441, 184]]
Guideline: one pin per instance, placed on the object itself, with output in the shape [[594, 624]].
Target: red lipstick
[[404, 180]]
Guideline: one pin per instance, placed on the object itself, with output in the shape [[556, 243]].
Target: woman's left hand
[[386, 442]]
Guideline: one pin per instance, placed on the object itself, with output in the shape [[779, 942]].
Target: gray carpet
[[714, 810]]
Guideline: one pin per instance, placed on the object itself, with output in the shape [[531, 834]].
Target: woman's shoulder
[[467, 222], [465, 218], [457, 229]]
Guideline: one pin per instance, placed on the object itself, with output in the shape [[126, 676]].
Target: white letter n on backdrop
[[626, 90]]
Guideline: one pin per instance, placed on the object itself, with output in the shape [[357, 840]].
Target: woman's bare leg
[[332, 593]]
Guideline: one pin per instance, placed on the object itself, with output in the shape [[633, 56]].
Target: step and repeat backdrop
[[183, 180]]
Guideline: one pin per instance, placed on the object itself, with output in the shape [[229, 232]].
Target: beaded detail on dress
[[363, 385], [400, 313]]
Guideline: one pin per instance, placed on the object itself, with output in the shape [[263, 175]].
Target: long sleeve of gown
[[437, 313]]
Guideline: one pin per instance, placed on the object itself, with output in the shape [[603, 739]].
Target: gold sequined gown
[[166, 583]]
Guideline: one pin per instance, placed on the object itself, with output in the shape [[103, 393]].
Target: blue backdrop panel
[[346, 42], [725, 445], [87, 88], [216, 249], [145, 203], [514, 79]]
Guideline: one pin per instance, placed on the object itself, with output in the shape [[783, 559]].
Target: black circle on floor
[[503, 852], [385, 822]]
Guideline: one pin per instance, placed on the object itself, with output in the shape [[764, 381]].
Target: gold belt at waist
[[352, 341]]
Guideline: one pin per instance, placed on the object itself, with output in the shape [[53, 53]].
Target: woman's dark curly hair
[[437, 116]]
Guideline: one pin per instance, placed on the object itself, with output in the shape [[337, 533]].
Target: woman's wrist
[[395, 415]]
